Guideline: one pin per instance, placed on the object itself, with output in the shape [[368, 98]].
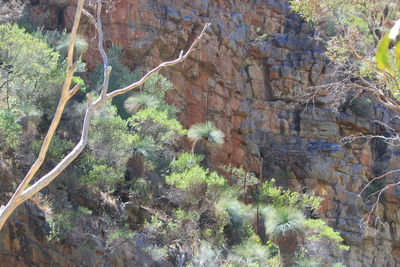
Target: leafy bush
[[184, 174], [161, 117], [279, 197], [29, 70], [109, 138], [103, 177], [57, 148], [120, 233], [240, 178], [321, 231], [353, 30], [10, 131]]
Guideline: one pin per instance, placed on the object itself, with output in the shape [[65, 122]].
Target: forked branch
[[23, 193]]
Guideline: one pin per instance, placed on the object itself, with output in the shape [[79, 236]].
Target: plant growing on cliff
[[284, 225], [207, 132], [9, 130], [26, 190], [352, 30]]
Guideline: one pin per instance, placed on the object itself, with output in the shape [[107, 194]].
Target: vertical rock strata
[[248, 76]]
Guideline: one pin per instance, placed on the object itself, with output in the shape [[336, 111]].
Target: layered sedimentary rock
[[247, 76]]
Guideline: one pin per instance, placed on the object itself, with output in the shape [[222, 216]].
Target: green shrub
[[280, 197], [240, 178], [10, 131], [140, 188], [57, 148], [320, 231], [120, 233], [103, 177], [30, 70], [249, 253], [109, 139], [161, 117], [185, 174]]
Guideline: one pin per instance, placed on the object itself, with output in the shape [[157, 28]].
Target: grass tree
[[284, 225], [206, 131], [81, 45], [26, 189], [140, 100]]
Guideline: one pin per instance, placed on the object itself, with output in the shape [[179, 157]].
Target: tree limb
[[23, 193]]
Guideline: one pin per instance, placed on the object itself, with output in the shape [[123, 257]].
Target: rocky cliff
[[247, 76]]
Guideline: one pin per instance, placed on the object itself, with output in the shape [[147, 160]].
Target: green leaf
[[397, 55], [382, 52]]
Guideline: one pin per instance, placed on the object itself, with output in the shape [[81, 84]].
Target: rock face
[[247, 76]]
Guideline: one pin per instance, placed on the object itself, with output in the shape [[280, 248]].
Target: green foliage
[[120, 233], [109, 138], [354, 30], [140, 188], [76, 80], [81, 45], [60, 226], [374, 187], [250, 253], [321, 231], [157, 85], [63, 224], [208, 131], [283, 221], [29, 70], [157, 253], [103, 177], [57, 148], [303, 261], [240, 178], [279, 197], [137, 101], [84, 210], [240, 215], [10, 131], [382, 57], [120, 77], [161, 117], [186, 175]]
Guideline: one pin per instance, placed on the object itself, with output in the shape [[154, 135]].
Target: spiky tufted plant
[[81, 45], [140, 100], [284, 225], [205, 131]]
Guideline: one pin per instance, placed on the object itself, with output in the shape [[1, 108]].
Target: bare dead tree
[[24, 191]]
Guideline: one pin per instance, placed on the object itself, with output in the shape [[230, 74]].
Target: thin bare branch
[[23, 193], [182, 57], [91, 18]]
